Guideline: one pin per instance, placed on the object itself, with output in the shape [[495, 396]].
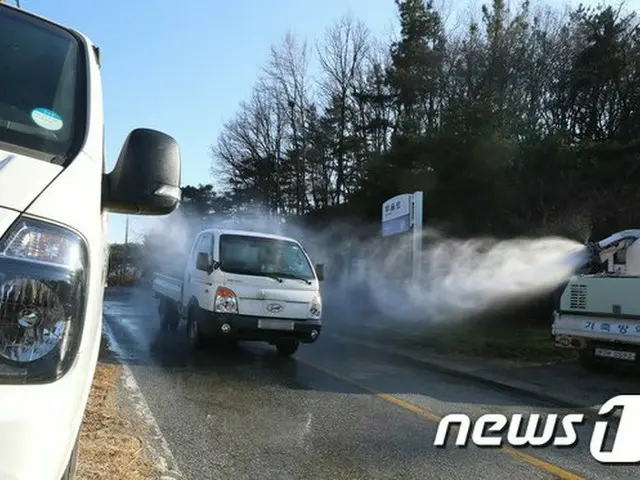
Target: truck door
[[200, 280], [187, 284]]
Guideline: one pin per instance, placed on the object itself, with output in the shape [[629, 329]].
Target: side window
[[196, 249], [204, 246]]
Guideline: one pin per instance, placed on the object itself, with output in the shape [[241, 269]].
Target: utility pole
[[125, 258]]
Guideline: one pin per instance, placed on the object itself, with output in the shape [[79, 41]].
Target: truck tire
[[169, 316], [172, 316], [196, 339], [161, 313], [286, 348]]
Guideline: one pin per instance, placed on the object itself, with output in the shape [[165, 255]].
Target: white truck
[[599, 313], [241, 285], [55, 195]]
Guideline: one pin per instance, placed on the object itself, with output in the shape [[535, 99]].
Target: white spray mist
[[460, 278]]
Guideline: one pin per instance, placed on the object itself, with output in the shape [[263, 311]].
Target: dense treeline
[[528, 120]]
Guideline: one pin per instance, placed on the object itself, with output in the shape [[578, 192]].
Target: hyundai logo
[[274, 307]]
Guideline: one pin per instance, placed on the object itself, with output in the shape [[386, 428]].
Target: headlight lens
[[42, 300], [315, 308], [225, 301]]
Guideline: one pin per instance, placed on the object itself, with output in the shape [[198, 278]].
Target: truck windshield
[[42, 102], [262, 256]]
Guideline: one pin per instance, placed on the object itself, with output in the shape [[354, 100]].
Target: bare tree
[[287, 74], [342, 58], [250, 150]]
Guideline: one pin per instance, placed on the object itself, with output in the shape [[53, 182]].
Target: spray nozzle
[[594, 249]]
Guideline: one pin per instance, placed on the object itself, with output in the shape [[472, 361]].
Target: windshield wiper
[[275, 277], [295, 277]]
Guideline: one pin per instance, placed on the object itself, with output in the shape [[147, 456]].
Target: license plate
[[603, 352], [275, 325]]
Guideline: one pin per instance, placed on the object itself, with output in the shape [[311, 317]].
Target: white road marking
[[159, 451]]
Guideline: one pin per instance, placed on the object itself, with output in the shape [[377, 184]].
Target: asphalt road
[[335, 411]]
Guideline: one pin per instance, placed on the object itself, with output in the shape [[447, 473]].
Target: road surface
[[335, 411]]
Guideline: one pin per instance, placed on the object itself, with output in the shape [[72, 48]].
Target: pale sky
[[184, 69]]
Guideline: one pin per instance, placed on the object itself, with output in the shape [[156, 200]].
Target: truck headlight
[[43, 276], [315, 308], [225, 301]]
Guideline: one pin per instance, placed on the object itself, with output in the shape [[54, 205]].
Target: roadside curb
[[158, 450], [519, 388]]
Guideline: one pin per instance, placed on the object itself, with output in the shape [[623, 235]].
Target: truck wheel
[[172, 317], [162, 309], [196, 340], [169, 317], [286, 348], [70, 471]]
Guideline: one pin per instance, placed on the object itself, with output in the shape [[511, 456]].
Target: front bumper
[[37, 430], [245, 327]]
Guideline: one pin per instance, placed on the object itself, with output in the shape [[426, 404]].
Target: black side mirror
[[320, 271], [146, 178], [203, 263]]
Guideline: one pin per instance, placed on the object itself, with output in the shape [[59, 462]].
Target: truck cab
[[249, 286], [55, 195]]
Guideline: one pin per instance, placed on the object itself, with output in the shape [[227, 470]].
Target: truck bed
[[167, 286]]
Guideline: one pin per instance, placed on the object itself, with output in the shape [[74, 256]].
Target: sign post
[[416, 221], [401, 214]]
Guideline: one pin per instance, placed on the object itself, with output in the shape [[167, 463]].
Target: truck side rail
[[167, 286]]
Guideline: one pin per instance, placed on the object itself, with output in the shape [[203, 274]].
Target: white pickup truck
[[242, 285], [55, 195]]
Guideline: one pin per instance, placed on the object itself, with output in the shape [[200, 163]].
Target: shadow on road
[[131, 316]]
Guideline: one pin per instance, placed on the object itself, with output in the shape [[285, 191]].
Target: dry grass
[[523, 343], [108, 449], [514, 342]]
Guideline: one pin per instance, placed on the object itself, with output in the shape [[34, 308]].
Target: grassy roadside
[[529, 343], [509, 342], [109, 449]]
